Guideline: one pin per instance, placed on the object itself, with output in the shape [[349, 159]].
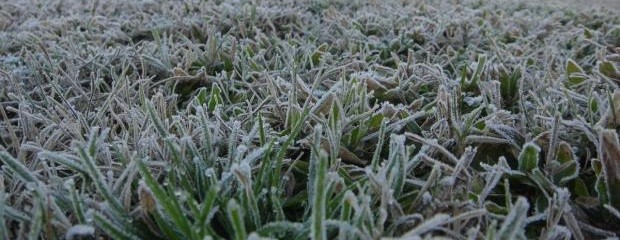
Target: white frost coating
[[78, 231], [430, 224], [473, 101]]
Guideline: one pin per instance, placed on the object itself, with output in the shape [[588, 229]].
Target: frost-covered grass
[[314, 119]]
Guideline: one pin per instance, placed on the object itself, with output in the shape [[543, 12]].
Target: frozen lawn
[[313, 119]]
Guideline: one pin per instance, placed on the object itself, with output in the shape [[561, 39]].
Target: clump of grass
[[308, 119]]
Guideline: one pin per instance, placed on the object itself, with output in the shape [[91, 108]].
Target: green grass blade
[[514, 224], [169, 205], [236, 218], [4, 232], [320, 161], [18, 168], [111, 229], [97, 177], [76, 202]]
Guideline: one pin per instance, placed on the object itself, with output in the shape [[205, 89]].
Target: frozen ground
[[309, 119]]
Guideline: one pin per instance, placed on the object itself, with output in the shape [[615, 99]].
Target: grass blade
[[18, 168], [169, 205], [319, 159], [236, 217]]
